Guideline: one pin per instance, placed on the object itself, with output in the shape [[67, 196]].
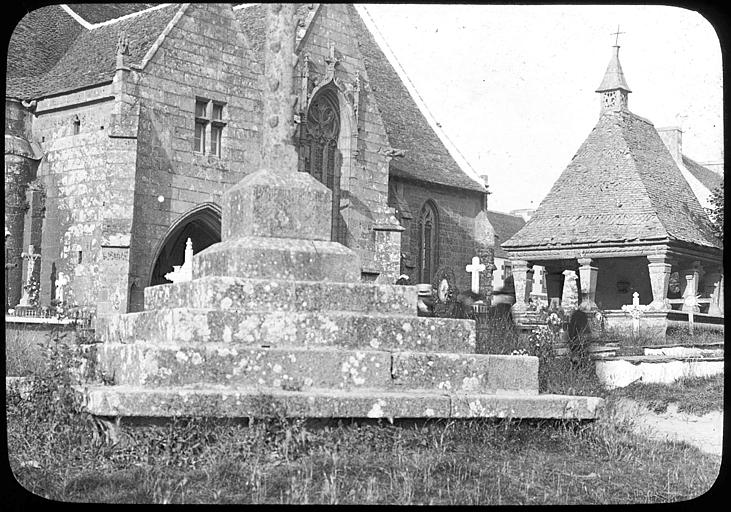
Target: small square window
[[217, 114], [200, 108]]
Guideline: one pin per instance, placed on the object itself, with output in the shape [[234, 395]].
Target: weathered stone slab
[[281, 329], [278, 258], [476, 373], [293, 369], [265, 295], [211, 401], [525, 406], [267, 203], [222, 402]]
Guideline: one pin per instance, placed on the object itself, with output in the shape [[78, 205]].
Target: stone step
[[622, 371], [685, 352], [282, 329], [278, 258], [265, 295], [302, 369], [211, 401]]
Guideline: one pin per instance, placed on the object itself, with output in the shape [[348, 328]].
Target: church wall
[[457, 211], [205, 56], [364, 173], [87, 179]]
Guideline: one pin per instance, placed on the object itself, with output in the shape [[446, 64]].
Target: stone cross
[[184, 272], [636, 311], [60, 282], [278, 152], [475, 268]]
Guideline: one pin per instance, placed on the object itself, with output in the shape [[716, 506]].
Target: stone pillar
[[520, 282], [587, 280], [712, 288], [692, 277], [570, 296], [554, 284], [659, 271]]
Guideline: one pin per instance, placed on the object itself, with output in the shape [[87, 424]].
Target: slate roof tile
[[505, 225], [707, 177]]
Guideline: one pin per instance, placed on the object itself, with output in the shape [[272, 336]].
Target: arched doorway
[[202, 225], [318, 150]]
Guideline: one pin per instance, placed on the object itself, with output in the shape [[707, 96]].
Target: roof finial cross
[[616, 34]]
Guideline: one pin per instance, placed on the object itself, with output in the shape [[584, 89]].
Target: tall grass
[[58, 451]]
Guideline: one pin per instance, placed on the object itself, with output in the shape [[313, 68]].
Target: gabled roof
[[426, 158], [90, 54], [99, 13], [622, 186], [707, 177], [65, 56], [504, 225]]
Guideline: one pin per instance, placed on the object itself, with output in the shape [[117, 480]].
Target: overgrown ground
[[61, 454]]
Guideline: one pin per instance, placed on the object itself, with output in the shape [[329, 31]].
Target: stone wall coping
[[34, 320]]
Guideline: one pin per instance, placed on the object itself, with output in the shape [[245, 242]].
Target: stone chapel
[[125, 124]]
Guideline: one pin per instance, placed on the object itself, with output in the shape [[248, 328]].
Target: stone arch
[[428, 230], [347, 143], [202, 225]]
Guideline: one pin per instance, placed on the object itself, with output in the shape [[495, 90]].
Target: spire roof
[[614, 76]]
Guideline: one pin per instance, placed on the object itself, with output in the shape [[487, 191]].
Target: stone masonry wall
[[204, 55], [364, 173], [457, 210], [88, 179]]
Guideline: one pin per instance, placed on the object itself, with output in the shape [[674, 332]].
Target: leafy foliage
[[716, 211]]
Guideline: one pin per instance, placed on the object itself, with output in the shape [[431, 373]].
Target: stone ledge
[[220, 402], [278, 258], [266, 295], [281, 329], [305, 368]]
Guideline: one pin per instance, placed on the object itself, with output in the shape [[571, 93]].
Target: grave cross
[[475, 268], [184, 272], [636, 311]]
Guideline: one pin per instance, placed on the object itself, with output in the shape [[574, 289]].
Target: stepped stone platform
[[276, 320]]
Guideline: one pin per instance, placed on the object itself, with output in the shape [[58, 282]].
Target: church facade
[[126, 123]]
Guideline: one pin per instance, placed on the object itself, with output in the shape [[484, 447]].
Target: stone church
[[125, 124]]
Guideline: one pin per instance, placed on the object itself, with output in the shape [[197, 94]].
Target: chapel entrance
[[202, 226], [318, 150]]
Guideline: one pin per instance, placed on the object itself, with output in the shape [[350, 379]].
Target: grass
[[59, 452], [696, 396]]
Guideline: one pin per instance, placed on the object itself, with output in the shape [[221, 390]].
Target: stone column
[[554, 283], [659, 270], [712, 288], [692, 277], [570, 296], [587, 279], [520, 281]]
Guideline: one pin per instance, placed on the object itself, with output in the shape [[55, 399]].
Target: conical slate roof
[[622, 186], [614, 76]]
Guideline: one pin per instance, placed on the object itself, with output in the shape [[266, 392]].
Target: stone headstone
[[570, 295], [475, 268]]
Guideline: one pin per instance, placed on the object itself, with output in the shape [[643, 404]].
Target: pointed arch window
[[428, 241], [318, 148]]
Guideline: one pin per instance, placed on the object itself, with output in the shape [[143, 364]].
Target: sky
[[512, 87]]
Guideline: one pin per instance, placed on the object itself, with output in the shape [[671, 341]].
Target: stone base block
[[266, 295], [278, 258], [283, 329], [266, 203], [302, 369], [131, 401], [481, 373]]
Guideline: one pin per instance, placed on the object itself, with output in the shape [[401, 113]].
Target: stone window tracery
[[318, 149], [428, 241]]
